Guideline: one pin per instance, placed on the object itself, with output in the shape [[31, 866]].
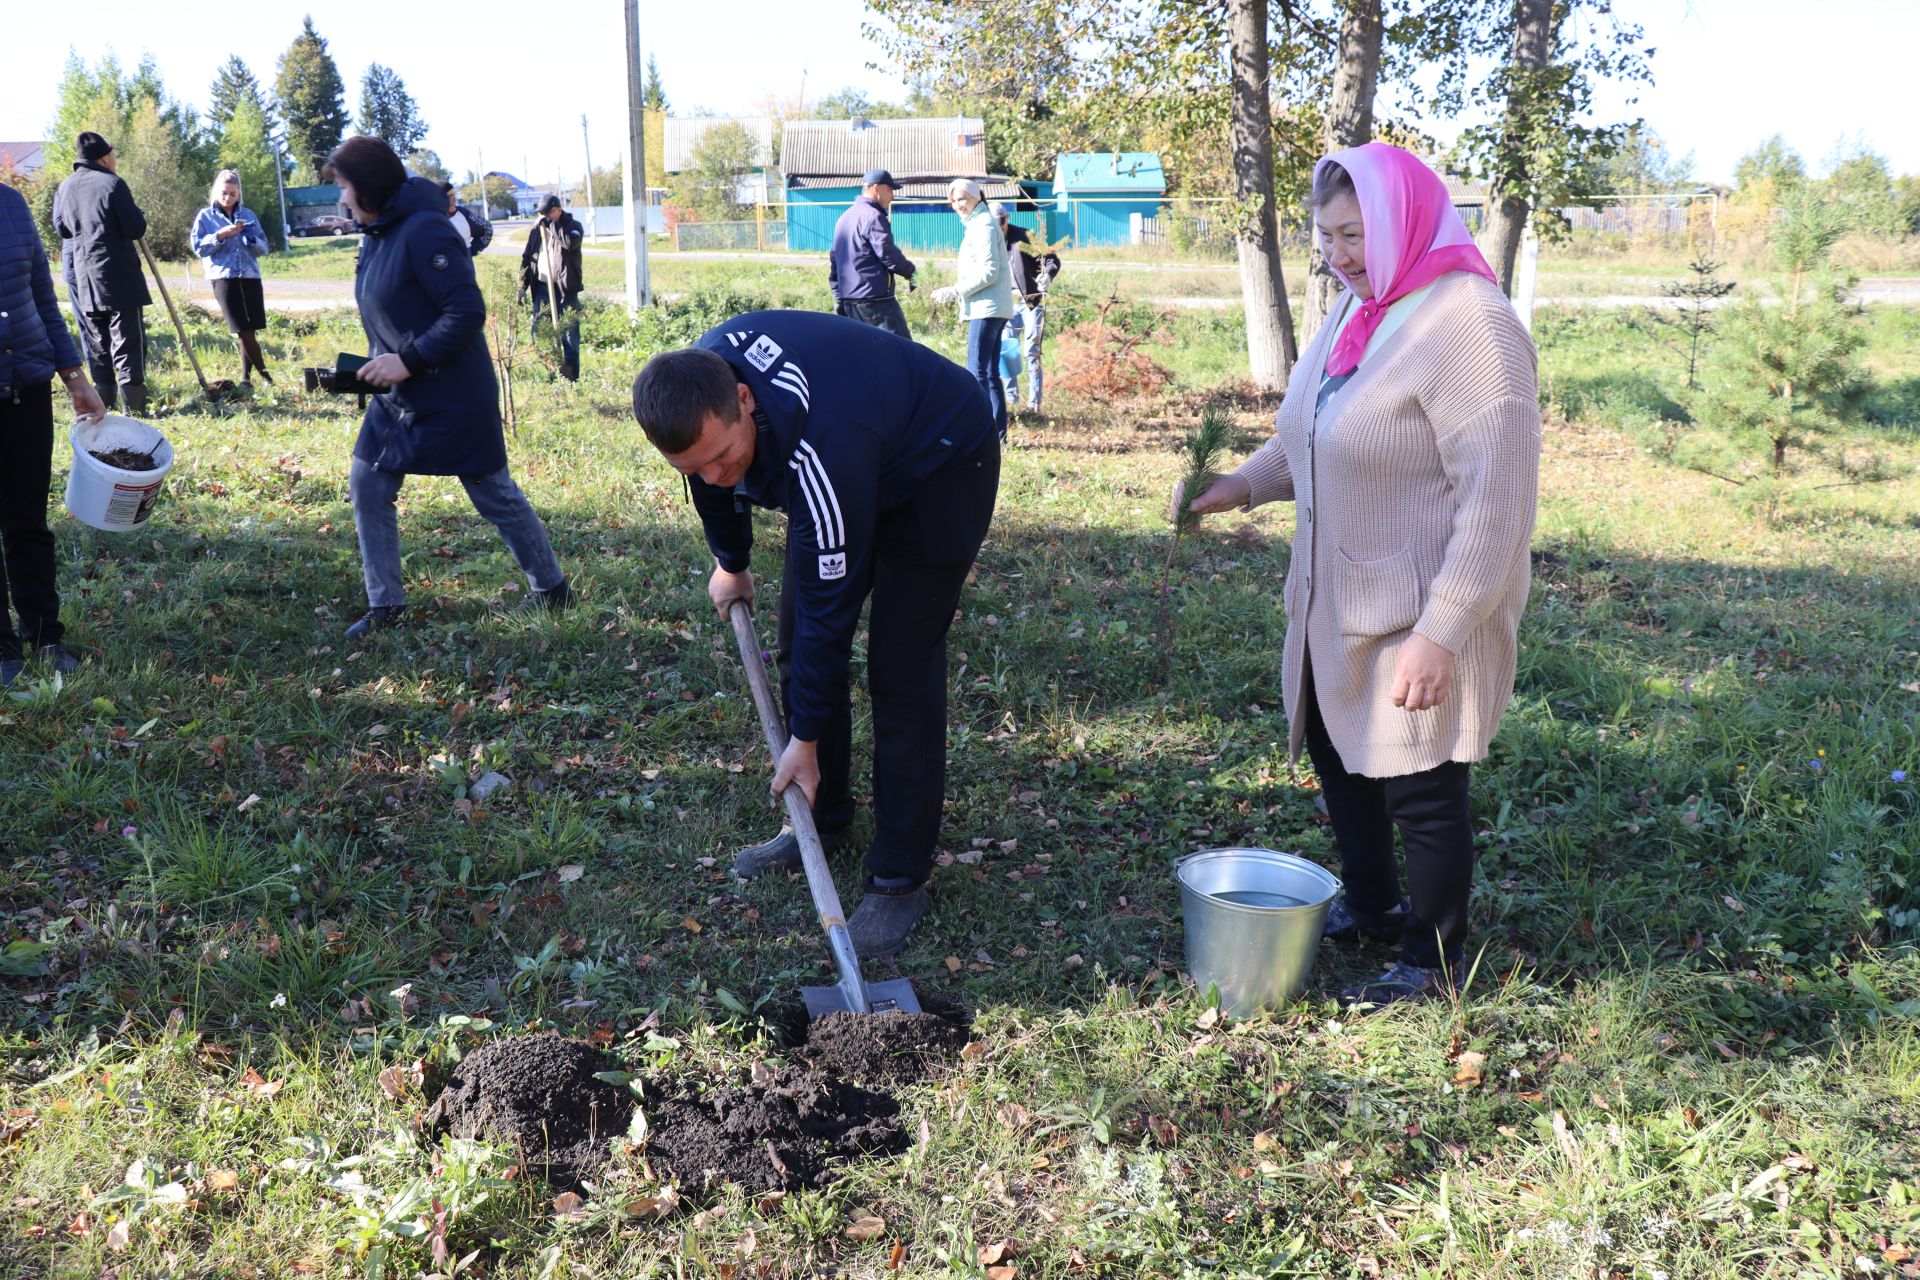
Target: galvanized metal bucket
[[1253, 919]]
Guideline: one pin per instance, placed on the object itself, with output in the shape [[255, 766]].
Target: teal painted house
[[823, 161], [1097, 193]]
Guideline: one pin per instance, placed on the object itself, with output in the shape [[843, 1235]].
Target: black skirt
[[241, 303]]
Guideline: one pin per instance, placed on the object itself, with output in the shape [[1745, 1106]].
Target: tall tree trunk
[[1349, 124], [1270, 343], [1508, 197]]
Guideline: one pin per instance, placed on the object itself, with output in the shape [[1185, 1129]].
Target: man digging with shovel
[[885, 457]]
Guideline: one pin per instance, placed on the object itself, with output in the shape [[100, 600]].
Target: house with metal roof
[[823, 162], [1097, 195], [22, 159]]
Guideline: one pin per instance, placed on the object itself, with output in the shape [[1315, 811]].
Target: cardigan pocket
[[1377, 597]]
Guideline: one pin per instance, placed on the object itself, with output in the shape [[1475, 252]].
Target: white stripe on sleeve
[[826, 488]]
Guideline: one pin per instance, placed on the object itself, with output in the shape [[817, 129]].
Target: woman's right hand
[[1229, 492]]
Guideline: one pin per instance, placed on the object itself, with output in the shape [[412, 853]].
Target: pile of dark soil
[[126, 459], [894, 1049], [781, 1135], [537, 1094]]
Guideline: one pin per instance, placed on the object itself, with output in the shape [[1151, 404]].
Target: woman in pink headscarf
[[1409, 442]]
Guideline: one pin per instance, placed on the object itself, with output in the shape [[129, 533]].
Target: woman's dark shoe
[[1400, 982], [880, 924], [58, 658], [782, 853], [378, 618], [553, 599], [1344, 924]]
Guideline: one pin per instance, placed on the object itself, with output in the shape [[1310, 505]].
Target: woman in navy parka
[[440, 413]]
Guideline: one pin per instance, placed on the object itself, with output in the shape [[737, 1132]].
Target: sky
[[508, 84]]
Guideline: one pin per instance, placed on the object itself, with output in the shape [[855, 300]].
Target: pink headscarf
[[1413, 237]]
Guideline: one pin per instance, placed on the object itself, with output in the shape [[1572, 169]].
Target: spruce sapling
[[1203, 451]]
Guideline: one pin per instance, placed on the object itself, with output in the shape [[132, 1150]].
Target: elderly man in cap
[[865, 260], [97, 215], [551, 260]]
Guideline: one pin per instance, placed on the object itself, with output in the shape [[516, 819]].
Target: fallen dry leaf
[[953, 964], [1264, 1142], [866, 1228], [972, 1049], [691, 925], [1002, 1273], [569, 873], [898, 1256], [748, 1243], [1208, 1019], [258, 1086], [399, 1079], [1472, 1071], [999, 1251], [707, 1217], [223, 1180], [654, 1206], [568, 1204], [770, 1201], [119, 1236], [1165, 1132]]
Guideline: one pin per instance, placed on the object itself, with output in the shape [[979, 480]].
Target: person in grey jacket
[[98, 215], [865, 260], [229, 239]]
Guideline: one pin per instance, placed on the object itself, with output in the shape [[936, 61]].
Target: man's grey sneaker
[[378, 618], [880, 924], [782, 853], [10, 669], [1344, 924], [57, 657], [1402, 981], [553, 599]]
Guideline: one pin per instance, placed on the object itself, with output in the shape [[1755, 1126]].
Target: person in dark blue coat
[[440, 412], [886, 459], [34, 347]]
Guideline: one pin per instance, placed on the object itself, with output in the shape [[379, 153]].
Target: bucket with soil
[[119, 467]]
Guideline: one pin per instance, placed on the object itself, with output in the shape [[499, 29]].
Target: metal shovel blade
[[892, 996]]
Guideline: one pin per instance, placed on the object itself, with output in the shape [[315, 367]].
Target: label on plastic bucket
[[132, 504]]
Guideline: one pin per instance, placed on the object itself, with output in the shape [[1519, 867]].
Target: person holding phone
[[229, 239], [438, 407]]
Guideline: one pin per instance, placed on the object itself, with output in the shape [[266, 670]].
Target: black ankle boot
[[377, 618]]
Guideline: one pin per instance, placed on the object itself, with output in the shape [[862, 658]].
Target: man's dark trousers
[[923, 551], [26, 442], [569, 328], [116, 347], [881, 313]]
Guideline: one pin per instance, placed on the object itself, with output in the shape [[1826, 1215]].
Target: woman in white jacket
[[983, 291]]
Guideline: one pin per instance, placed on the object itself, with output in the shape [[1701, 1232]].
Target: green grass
[[235, 843]]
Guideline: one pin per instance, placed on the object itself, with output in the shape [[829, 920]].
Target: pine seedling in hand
[[1203, 452]]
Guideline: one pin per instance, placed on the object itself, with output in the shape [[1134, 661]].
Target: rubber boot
[[886, 915], [782, 853], [134, 396]]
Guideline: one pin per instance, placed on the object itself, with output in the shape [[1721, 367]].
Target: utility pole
[[280, 185], [593, 200], [633, 180]]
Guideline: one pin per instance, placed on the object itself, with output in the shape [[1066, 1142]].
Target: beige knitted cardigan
[[1414, 514]]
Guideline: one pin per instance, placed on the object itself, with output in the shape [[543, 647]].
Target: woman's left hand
[[1422, 674], [383, 371]]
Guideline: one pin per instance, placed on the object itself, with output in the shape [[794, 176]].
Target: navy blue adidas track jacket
[[851, 419]]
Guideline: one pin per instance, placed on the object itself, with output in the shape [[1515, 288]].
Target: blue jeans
[[983, 362], [494, 496]]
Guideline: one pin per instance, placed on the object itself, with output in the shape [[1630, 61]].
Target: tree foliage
[[1782, 378], [388, 111], [313, 100], [233, 84], [164, 155], [709, 190], [653, 95]]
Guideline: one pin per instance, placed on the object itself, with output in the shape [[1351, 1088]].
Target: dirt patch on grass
[[894, 1049], [537, 1094], [783, 1133]]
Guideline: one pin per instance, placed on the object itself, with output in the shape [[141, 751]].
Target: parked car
[[327, 224]]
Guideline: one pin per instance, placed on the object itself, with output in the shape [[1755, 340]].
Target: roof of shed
[[992, 186], [921, 148]]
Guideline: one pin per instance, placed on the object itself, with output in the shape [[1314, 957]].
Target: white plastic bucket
[[106, 497], [1252, 919]]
